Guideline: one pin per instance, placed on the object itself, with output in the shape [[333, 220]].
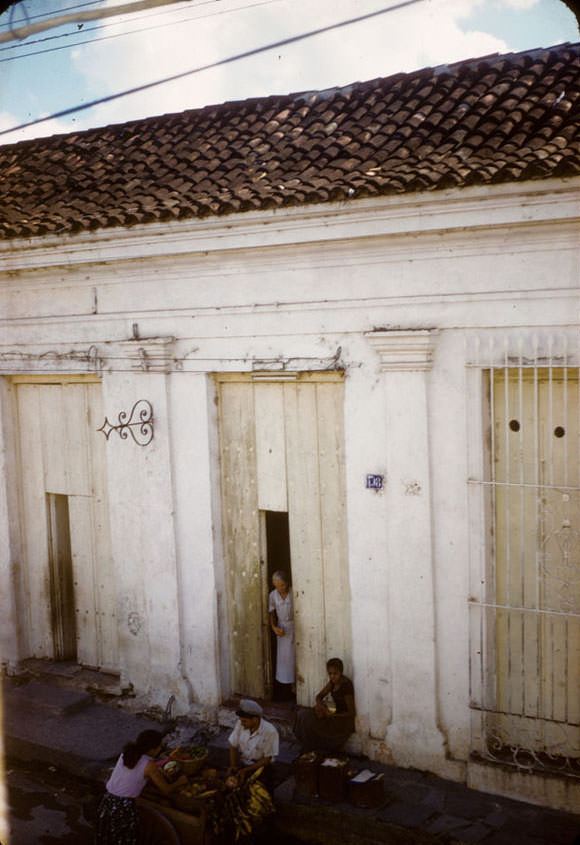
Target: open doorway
[[62, 593], [278, 559]]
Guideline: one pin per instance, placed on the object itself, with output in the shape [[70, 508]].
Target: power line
[[245, 55], [120, 34], [123, 20], [48, 14], [75, 17]]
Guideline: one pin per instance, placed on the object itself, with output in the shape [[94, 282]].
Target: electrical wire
[[122, 19], [133, 7], [119, 34], [49, 14], [235, 58]]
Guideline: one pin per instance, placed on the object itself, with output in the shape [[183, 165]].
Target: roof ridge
[[318, 94]]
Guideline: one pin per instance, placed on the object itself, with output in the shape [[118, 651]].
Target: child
[[281, 608], [117, 821]]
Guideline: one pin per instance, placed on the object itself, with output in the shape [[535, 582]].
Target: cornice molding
[[544, 201], [146, 355], [404, 350]]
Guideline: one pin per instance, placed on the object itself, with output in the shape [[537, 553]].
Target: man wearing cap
[[253, 742]]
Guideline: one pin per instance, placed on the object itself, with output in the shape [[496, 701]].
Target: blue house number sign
[[375, 482]]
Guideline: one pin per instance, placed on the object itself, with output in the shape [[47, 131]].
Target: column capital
[[404, 350], [149, 355]]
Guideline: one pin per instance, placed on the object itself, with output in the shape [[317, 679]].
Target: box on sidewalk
[[305, 769], [332, 777], [367, 789]]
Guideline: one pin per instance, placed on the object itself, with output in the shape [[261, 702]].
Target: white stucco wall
[[301, 289]]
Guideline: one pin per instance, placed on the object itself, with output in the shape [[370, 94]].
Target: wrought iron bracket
[[138, 424]]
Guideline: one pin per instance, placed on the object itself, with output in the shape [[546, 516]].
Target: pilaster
[[413, 736], [143, 539], [10, 632]]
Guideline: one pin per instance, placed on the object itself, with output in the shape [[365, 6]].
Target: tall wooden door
[[68, 593], [282, 450], [537, 576]]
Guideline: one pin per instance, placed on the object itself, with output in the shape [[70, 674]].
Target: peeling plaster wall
[[155, 309]]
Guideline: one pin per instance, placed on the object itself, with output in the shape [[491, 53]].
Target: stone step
[[46, 699], [71, 675]]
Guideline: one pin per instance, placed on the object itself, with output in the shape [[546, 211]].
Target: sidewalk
[[69, 729]]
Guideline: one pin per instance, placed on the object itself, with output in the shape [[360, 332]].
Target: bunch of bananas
[[245, 807]]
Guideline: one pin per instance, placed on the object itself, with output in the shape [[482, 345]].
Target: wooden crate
[[366, 789], [305, 770], [332, 780]]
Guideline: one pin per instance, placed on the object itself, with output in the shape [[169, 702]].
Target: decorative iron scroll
[[556, 758], [139, 424]]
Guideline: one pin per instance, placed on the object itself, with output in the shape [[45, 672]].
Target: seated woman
[[328, 726]]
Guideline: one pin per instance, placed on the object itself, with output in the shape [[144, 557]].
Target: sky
[[75, 65]]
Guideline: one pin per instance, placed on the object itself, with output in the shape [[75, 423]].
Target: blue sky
[[189, 34], [539, 25]]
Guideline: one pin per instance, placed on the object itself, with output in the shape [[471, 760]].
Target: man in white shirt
[[253, 742]]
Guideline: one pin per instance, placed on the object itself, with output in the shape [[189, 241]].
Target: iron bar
[[138, 423], [528, 654]]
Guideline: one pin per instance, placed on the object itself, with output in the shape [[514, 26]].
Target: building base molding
[[414, 744], [546, 790]]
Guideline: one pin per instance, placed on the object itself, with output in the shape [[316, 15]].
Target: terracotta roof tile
[[488, 120]]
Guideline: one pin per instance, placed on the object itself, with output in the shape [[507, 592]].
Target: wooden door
[[282, 450], [68, 564], [537, 573], [241, 539]]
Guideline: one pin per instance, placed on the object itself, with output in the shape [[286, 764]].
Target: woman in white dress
[[281, 608]]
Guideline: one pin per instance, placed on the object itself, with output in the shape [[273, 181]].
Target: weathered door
[[537, 589], [68, 592], [282, 450]]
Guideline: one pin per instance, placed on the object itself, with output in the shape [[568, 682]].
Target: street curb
[[73, 764]]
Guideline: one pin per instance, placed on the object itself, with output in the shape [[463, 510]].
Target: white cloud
[[403, 40], [521, 5]]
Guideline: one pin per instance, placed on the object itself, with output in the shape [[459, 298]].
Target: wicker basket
[[196, 803], [189, 766]]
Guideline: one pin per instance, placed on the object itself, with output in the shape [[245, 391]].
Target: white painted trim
[[435, 211], [356, 251]]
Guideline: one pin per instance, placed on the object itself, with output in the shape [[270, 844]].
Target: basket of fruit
[[191, 758], [192, 797]]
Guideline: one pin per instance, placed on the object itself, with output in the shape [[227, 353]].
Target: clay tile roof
[[483, 121]]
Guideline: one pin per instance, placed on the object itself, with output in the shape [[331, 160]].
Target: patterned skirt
[[117, 821]]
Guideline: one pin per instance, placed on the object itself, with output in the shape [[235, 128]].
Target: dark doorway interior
[[278, 558], [62, 598]]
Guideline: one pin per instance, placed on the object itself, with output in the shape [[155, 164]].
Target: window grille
[[524, 604]]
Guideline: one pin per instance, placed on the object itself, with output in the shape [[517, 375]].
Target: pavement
[[65, 723], [46, 807]]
